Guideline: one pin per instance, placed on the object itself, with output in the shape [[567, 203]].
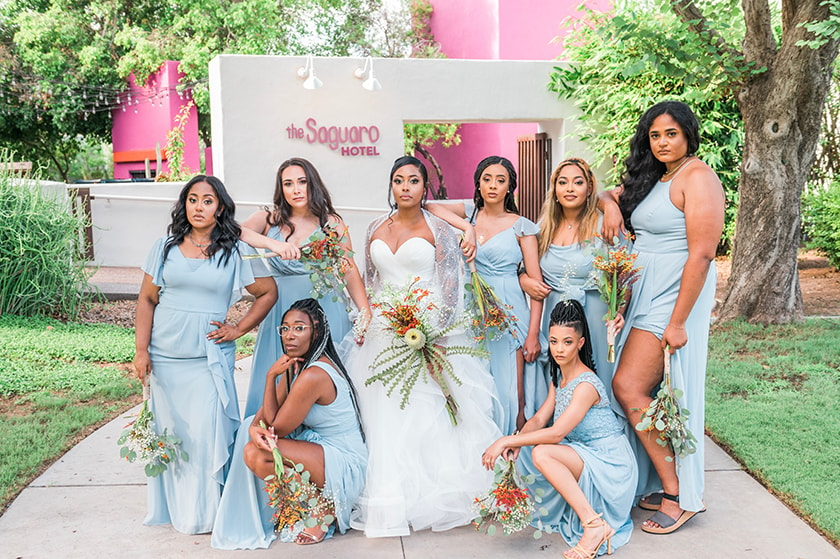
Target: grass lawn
[[57, 383], [772, 397]]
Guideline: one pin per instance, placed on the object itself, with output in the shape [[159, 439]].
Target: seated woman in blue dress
[[310, 414], [584, 455]]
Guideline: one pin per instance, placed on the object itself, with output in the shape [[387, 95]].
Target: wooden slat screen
[[534, 172]]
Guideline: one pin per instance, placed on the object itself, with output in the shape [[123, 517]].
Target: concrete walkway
[[92, 504]]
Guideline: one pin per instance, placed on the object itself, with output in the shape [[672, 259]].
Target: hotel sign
[[348, 141]]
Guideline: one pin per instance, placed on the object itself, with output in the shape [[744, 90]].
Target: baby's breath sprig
[[507, 503], [666, 416], [141, 441]]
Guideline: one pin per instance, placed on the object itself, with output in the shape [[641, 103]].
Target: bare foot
[[595, 533], [311, 535], [669, 508]]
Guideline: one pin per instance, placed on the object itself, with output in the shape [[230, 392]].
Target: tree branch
[[690, 14], [441, 193], [759, 42]]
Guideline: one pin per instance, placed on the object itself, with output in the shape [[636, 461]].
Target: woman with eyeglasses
[[302, 211], [309, 413]]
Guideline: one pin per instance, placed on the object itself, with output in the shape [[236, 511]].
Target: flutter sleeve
[[525, 227], [154, 262]]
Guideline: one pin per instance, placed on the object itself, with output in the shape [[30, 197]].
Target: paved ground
[[91, 504]]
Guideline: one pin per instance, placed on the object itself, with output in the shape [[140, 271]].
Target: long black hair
[[322, 344], [642, 169], [570, 313], [402, 162], [510, 203], [224, 235], [317, 196]]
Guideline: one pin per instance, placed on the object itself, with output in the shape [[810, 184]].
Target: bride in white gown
[[423, 471]]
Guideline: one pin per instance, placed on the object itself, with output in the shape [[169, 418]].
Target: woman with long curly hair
[[187, 350], [674, 204], [302, 209]]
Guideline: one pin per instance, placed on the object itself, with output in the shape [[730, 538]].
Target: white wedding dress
[[423, 472]]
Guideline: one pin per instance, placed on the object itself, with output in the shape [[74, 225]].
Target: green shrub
[[42, 267], [821, 216]]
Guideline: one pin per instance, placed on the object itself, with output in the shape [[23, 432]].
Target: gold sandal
[[583, 553]]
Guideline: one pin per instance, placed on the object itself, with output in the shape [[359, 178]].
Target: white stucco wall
[[256, 99]]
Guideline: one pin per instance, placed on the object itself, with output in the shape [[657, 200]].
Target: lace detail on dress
[[599, 421]]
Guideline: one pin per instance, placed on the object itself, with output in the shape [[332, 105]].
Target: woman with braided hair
[[310, 414], [581, 455]]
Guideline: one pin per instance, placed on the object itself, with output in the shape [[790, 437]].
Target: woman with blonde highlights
[[568, 240]]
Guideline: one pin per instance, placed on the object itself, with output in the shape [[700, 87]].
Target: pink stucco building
[[145, 114], [495, 30]]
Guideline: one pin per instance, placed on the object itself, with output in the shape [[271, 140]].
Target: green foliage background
[[619, 65], [821, 218], [42, 263], [62, 62]]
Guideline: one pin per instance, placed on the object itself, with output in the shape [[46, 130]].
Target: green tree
[[623, 62], [778, 66], [63, 63]]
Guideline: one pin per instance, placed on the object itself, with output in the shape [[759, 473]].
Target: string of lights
[[17, 88]]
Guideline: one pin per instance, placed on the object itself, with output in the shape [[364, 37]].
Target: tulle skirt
[[423, 471]]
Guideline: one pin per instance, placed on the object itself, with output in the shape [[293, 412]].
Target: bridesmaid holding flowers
[[505, 240], [302, 213], [187, 350], [568, 244]]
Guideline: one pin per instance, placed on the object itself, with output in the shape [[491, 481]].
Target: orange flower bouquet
[[417, 350], [490, 314], [297, 502], [508, 503], [619, 273], [326, 260]]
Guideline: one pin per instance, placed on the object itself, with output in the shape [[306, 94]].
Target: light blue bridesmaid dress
[[662, 250], [245, 519], [608, 479], [497, 260], [567, 270], [193, 395], [293, 284]]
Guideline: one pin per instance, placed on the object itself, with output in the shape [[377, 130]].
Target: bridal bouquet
[[417, 349], [294, 497], [140, 440], [666, 416], [618, 274], [508, 503], [488, 310], [326, 260]]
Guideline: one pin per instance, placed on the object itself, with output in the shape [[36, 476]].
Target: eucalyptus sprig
[[665, 415]]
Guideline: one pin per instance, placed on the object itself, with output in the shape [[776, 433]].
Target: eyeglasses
[[297, 329]]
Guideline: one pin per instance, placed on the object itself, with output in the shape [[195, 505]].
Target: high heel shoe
[[582, 553]]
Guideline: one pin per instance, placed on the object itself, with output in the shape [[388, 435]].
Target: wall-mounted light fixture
[[370, 83], [311, 81]]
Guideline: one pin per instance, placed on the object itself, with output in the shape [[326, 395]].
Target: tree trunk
[[440, 193], [781, 109]]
